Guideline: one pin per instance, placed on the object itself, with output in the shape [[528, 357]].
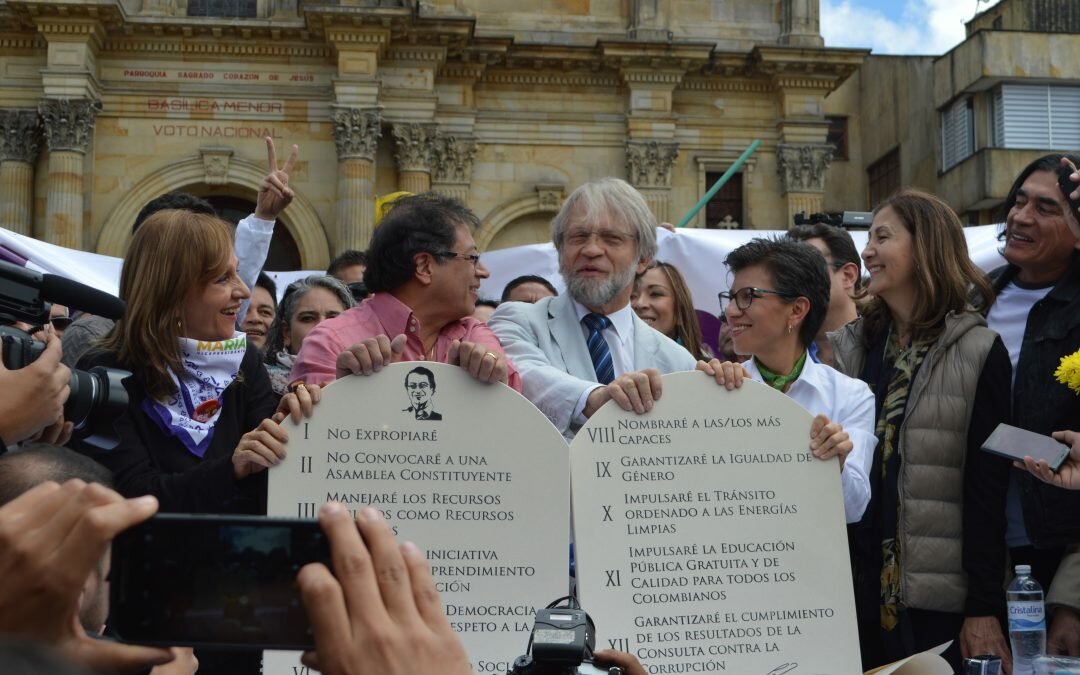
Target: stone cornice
[[417, 53], [551, 78], [462, 71], [208, 47], [652, 76], [673, 56], [110, 13], [9, 42], [716, 83], [806, 67], [88, 31], [350, 37]]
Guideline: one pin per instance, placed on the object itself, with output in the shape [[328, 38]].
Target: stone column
[[69, 126], [648, 168], [802, 176], [452, 160], [800, 23], [415, 148], [20, 140], [356, 133]]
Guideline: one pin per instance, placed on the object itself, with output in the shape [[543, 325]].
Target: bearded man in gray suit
[[577, 351]]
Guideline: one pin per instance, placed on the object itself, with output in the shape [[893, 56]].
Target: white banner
[[699, 255]]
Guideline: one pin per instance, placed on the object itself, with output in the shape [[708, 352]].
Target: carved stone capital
[[648, 163], [550, 196], [356, 132], [453, 159], [802, 167], [415, 146], [20, 135], [68, 123], [216, 161]]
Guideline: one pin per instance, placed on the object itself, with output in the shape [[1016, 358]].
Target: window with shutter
[[957, 133]]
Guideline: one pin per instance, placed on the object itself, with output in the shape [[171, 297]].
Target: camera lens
[[97, 398]]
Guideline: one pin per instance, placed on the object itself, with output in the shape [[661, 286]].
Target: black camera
[[97, 396], [561, 643], [849, 220]]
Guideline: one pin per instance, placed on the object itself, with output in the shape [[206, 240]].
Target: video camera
[[849, 220], [97, 396], [561, 643]]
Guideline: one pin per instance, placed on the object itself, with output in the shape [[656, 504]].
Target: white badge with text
[[709, 539], [472, 473]]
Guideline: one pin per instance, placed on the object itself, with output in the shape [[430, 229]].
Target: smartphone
[[214, 581], [1014, 443]]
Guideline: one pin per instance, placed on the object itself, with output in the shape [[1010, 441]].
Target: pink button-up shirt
[[383, 314]]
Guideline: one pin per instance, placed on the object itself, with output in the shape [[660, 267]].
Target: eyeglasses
[[722, 317], [474, 258], [608, 238], [744, 297]]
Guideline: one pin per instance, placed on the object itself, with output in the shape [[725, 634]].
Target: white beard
[[598, 292]]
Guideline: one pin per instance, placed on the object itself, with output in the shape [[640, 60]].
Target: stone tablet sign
[[709, 539], [472, 473]]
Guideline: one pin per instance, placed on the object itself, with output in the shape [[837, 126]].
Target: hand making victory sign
[[274, 192]]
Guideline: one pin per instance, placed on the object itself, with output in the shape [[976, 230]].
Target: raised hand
[[274, 191]]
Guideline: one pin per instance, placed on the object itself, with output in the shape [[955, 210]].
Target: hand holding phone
[[1015, 443], [1067, 476]]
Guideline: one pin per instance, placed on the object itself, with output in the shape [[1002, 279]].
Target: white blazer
[[547, 345]]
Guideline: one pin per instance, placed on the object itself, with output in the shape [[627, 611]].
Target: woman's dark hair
[[424, 223], [797, 270]]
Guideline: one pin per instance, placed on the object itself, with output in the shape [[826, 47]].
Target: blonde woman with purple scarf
[[202, 423]]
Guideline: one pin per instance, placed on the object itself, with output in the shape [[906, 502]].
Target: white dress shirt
[[847, 401]]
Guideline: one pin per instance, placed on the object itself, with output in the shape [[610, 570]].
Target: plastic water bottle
[[1027, 621]]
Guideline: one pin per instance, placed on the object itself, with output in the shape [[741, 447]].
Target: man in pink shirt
[[423, 272]]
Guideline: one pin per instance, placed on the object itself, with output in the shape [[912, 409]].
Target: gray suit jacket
[[547, 345]]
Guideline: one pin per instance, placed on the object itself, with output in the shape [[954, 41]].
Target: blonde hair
[[172, 252]]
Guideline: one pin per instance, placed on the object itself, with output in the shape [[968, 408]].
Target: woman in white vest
[[929, 555]]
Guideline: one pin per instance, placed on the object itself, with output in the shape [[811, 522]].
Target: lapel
[[567, 335], [646, 345]]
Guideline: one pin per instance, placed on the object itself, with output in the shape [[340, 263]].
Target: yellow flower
[[1068, 373]]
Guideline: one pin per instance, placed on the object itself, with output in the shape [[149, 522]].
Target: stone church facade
[[106, 104]]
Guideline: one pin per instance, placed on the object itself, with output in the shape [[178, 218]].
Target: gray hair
[[617, 199], [291, 299]]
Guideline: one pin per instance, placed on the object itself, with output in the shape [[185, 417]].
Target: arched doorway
[[284, 255], [299, 230]]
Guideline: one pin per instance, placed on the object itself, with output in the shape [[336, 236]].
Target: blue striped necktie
[[598, 347]]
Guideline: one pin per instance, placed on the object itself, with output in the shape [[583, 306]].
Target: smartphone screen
[[223, 581], [1014, 443]]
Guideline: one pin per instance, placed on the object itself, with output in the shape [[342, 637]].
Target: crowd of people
[[907, 371]]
